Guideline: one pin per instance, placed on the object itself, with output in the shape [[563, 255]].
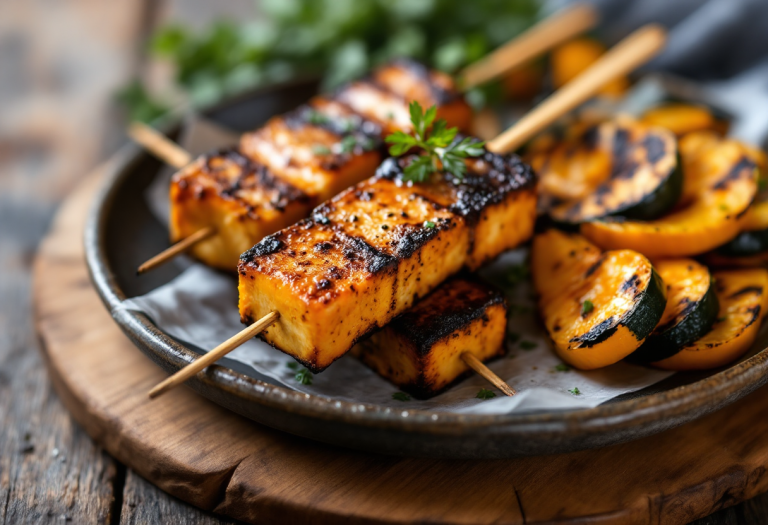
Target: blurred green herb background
[[335, 39]]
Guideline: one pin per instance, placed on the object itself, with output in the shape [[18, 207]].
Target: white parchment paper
[[199, 307]]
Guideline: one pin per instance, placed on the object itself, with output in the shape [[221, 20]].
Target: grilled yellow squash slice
[[720, 182], [420, 351], [598, 310], [692, 308], [681, 119], [743, 296], [618, 167]]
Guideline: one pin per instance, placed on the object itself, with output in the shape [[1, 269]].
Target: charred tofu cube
[[384, 96], [321, 148], [367, 255], [420, 350], [240, 198]]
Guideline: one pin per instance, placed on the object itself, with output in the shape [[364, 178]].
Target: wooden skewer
[[159, 145], [174, 250], [475, 364], [630, 53], [556, 29], [214, 355], [627, 55]]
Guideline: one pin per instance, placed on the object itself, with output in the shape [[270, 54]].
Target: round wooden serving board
[[219, 461]]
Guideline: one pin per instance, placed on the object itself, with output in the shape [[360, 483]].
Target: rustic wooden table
[[60, 64]]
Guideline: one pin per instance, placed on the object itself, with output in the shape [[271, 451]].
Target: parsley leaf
[[575, 391], [527, 345], [401, 396], [587, 307], [429, 224], [441, 151], [292, 365], [484, 394], [304, 376], [562, 367]]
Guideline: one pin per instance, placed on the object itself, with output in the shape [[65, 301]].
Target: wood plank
[[143, 503], [219, 461]]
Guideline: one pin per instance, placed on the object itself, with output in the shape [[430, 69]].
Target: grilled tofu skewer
[[382, 100], [367, 254]]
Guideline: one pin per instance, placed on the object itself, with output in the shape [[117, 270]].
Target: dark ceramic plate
[[121, 233]]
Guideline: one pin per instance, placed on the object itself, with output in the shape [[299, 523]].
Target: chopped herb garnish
[[562, 367], [319, 149], [587, 307], [292, 365], [437, 141], [429, 224], [304, 376], [317, 118], [527, 345], [347, 144], [401, 396], [575, 391], [484, 394]]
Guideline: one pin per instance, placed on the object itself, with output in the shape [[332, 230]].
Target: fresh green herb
[[292, 365], [562, 367], [347, 144], [484, 394], [429, 224], [315, 117], [442, 152], [575, 391], [336, 40], [587, 307], [527, 345], [319, 149], [517, 274], [304, 376], [401, 396]]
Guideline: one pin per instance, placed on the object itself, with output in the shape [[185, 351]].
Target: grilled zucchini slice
[[603, 311], [742, 295], [619, 167], [720, 184], [691, 310]]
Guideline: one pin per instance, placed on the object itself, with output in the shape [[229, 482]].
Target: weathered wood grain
[[143, 503], [219, 461]]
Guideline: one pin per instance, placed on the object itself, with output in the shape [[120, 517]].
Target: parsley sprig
[[441, 151]]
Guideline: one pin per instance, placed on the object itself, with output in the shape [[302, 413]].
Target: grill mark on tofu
[[446, 311], [234, 176], [367, 255]]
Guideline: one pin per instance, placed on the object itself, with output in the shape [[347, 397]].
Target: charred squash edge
[[654, 205], [640, 320], [694, 325]]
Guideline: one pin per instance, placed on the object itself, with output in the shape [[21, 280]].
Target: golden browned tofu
[[240, 198], [384, 97], [419, 351], [321, 148], [365, 256]]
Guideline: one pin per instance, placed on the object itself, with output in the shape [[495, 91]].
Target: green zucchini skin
[[641, 320], [660, 201], [699, 320], [656, 202], [745, 244]]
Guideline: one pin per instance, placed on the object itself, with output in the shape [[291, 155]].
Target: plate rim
[[666, 409]]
